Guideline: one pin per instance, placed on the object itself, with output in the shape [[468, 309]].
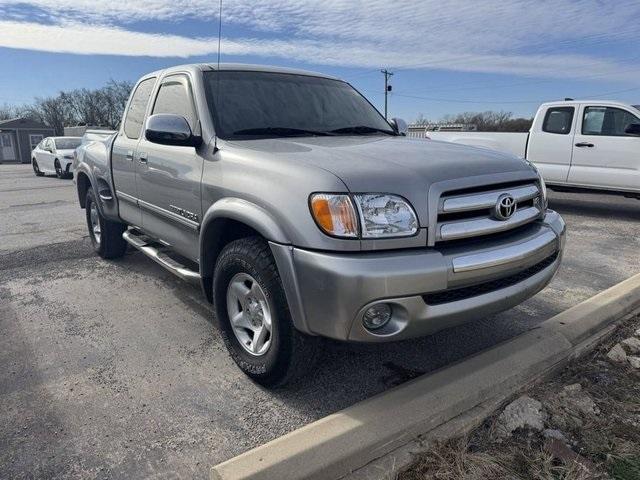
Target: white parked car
[[55, 155], [576, 144]]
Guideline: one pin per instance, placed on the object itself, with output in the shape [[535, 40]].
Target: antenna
[[219, 32]]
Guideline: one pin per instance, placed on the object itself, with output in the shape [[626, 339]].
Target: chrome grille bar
[[477, 201], [467, 215]]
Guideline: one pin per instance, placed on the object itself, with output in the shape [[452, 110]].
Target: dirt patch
[[588, 428]]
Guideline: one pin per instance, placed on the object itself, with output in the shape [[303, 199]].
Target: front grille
[[470, 213], [454, 295]]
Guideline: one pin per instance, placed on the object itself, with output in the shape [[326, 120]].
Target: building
[[18, 137]]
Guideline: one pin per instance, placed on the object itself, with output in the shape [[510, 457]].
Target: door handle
[[129, 155], [585, 144], [142, 157]]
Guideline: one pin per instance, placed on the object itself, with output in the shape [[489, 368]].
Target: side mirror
[[169, 129], [633, 129], [400, 126]]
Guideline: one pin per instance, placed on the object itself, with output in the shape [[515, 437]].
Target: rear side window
[[558, 120], [607, 121], [174, 97], [137, 108]]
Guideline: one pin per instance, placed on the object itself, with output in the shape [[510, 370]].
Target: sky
[[447, 56]]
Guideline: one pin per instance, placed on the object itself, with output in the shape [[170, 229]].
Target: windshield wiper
[[362, 130], [280, 132]]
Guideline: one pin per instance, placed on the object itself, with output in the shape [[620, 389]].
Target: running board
[[154, 251]]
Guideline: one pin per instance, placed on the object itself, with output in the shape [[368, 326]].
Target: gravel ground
[[113, 369], [581, 424]]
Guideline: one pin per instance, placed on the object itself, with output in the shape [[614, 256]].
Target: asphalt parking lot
[[113, 369]]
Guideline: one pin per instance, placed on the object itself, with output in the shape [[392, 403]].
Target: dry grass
[[609, 442]]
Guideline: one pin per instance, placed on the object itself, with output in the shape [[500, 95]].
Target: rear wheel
[[105, 235], [59, 171], [253, 315], [36, 169]]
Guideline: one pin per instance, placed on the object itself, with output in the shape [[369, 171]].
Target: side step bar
[[155, 252]]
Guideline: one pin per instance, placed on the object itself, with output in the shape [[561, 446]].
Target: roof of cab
[[592, 102], [237, 67]]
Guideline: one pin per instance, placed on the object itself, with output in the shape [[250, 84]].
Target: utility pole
[[387, 88]]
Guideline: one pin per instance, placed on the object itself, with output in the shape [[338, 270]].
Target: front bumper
[[428, 289]]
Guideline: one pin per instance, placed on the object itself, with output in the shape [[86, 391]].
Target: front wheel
[[105, 235], [36, 169], [253, 315]]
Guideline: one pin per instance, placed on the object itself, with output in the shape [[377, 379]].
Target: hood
[[397, 165], [377, 163]]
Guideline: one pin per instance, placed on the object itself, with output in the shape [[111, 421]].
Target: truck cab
[[587, 143]]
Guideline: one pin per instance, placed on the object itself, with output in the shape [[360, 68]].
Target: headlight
[[335, 214], [543, 186], [384, 215], [381, 215]]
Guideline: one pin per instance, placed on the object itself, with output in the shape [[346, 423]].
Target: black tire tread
[[112, 245], [302, 350]]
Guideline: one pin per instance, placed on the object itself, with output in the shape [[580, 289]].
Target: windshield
[[265, 104], [67, 143]]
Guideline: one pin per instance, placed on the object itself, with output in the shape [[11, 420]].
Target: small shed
[[18, 136]]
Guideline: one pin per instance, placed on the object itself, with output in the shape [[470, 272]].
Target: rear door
[[604, 156], [124, 147], [169, 176], [551, 142]]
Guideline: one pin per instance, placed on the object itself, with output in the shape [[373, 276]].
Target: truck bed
[[514, 143]]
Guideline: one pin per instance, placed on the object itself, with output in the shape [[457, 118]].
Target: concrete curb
[[339, 444]]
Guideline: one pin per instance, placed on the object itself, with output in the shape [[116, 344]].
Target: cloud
[[541, 38]]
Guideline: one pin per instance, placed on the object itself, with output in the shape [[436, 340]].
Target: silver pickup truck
[[304, 214]]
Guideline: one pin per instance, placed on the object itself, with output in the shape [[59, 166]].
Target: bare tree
[[99, 107], [491, 121], [7, 112]]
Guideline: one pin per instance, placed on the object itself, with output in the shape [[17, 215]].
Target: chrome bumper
[[329, 292]]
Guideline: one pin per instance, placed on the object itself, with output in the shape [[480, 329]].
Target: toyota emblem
[[505, 207]]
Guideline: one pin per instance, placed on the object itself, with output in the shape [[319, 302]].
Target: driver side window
[[607, 121], [175, 97]]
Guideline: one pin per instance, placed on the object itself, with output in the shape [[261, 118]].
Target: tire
[[59, 172], [105, 235], [36, 169], [290, 354]]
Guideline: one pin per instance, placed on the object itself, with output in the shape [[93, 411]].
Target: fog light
[[377, 316]]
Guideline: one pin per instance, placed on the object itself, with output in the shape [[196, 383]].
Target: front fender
[[245, 212]]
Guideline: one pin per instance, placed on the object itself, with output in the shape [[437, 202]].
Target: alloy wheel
[[249, 314], [94, 216]]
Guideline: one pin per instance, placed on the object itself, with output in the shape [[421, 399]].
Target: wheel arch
[[83, 184], [228, 220]]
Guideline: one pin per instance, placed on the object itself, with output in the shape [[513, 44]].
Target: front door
[[169, 176], [122, 155], [8, 147], [44, 156], [604, 155]]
